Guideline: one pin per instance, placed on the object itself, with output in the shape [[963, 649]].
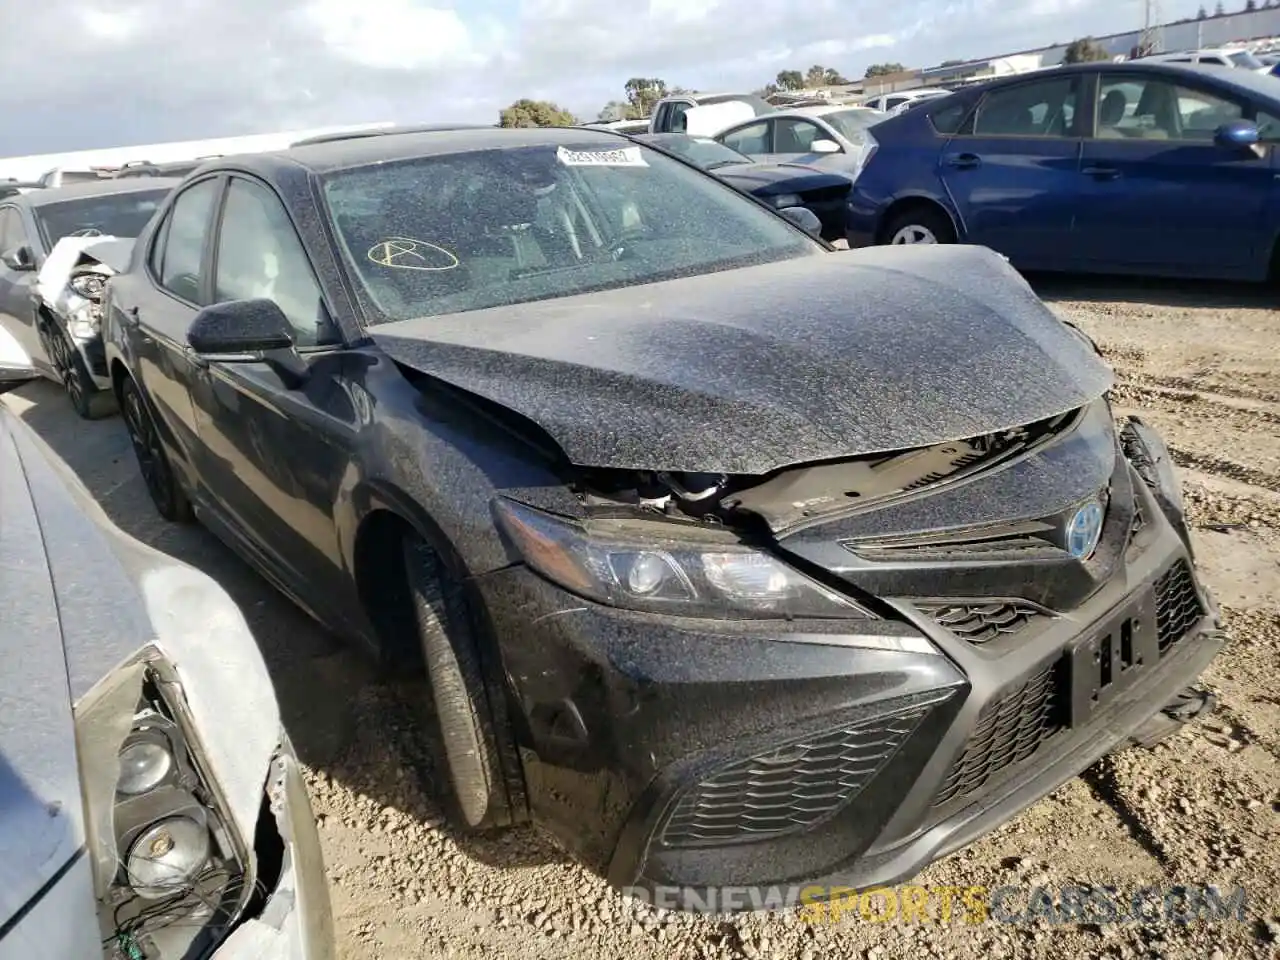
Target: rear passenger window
[[748, 140], [178, 256], [1042, 109], [946, 120]]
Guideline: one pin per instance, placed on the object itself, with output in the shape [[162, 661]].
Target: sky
[[77, 74]]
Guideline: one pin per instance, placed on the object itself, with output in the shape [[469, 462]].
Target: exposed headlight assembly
[[88, 285], [170, 874], [640, 566]]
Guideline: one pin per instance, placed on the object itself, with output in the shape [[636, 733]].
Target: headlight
[[88, 285], [168, 866], [642, 566], [786, 200], [83, 322]]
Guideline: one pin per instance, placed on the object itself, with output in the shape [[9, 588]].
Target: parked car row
[[706, 565]]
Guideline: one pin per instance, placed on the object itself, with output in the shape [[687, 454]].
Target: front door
[[17, 287], [1157, 194], [275, 453], [1012, 172]]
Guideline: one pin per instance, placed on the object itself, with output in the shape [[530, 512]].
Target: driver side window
[[750, 139], [794, 136], [178, 255]]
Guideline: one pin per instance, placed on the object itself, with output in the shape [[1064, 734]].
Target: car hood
[[771, 178], [81, 599], [746, 371], [69, 253]]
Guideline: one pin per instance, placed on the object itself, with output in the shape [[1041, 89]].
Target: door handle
[[1101, 173], [965, 161]]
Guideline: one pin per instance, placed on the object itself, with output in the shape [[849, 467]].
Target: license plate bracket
[[1108, 660]]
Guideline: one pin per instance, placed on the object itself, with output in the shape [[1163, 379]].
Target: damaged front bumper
[[296, 919], [695, 754]]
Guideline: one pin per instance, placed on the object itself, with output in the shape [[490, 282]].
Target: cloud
[[82, 74]]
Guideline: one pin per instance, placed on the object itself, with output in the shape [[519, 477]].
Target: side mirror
[[239, 327], [825, 146], [19, 258], [1237, 134], [16, 367], [804, 218]]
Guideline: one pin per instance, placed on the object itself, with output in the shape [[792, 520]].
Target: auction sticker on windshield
[[623, 157]]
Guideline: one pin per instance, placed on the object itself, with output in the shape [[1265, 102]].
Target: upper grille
[[792, 788], [1178, 607], [983, 622], [1008, 731]]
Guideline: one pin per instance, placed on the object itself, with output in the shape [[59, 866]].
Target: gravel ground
[[1202, 364]]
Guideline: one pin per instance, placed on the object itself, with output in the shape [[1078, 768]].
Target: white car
[[834, 138], [1235, 57], [893, 103], [153, 808]]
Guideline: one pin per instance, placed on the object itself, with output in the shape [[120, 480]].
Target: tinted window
[[946, 119], [12, 232], [114, 215], [1268, 126], [794, 136], [486, 228], [1042, 109], [678, 122], [892, 102], [852, 124], [750, 139], [179, 253], [260, 256], [1141, 109]]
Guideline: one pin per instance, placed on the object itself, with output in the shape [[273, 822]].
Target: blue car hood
[[749, 370]]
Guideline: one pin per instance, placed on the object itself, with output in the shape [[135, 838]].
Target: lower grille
[[1008, 731], [1178, 607], [792, 788], [983, 622]]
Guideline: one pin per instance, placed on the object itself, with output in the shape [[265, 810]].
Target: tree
[[1202, 14], [820, 76], [790, 80], [535, 113], [884, 69], [1219, 10], [1085, 50], [1250, 6], [614, 110], [643, 93]]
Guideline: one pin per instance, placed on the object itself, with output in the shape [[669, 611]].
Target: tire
[[926, 224], [87, 400], [153, 463], [485, 789]]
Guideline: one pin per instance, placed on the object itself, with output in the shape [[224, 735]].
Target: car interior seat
[[1110, 115]]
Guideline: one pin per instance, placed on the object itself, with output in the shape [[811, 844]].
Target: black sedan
[[725, 558], [780, 185]]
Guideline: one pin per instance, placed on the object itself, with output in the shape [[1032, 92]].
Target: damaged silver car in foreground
[[151, 807]]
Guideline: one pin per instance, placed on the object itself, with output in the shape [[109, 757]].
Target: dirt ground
[[1202, 364]]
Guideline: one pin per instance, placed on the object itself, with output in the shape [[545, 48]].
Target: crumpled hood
[[746, 371], [81, 598], [771, 178], [67, 254]]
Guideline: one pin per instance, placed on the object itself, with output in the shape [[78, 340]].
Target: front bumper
[[695, 755], [296, 921]]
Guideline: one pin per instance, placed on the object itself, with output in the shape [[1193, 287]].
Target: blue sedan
[[1136, 168]]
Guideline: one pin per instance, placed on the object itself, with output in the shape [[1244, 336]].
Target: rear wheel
[[469, 745], [919, 224], [153, 462]]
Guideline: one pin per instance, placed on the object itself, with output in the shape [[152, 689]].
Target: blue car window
[[1156, 109], [1045, 108], [1268, 126]]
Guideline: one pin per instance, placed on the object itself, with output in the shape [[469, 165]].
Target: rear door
[[1012, 171], [154, 308], [1156, 193]]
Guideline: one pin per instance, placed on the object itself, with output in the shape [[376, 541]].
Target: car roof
[[1243, 81], [99, 188], [323, 158]]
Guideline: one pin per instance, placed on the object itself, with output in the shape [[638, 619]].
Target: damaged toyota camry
[[728, 559]]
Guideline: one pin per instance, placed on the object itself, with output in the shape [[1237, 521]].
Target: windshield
[[489, 228], [111, 215], [1243, 58], [853, 124], [701, 151]]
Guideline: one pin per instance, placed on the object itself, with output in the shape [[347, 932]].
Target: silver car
[[837, 139], [151, 807]]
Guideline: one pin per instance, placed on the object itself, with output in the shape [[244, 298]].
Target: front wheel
[[469, 743], [919, 225], [153, 462]]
